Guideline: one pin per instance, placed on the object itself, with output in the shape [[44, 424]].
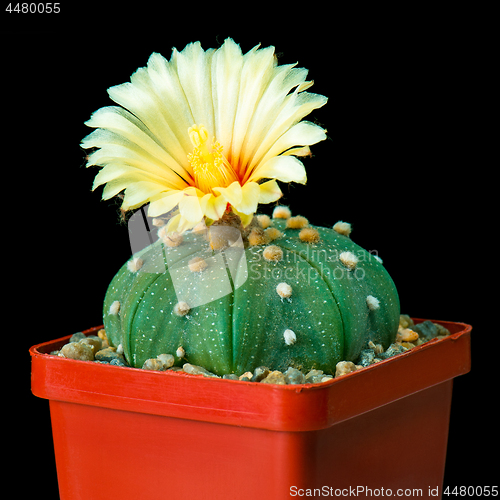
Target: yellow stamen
[[210, 166]]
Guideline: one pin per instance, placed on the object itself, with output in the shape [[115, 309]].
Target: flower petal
[[167, 202], [283, 168], [302, 134], [110, 154], [245, 218], [139, 193], [213, 206], [305, 151], [115, 171], [118, 126], [249, 199], [190, 209], [233, 193], [164, 81], [294, 108], [112, 188], [179, 224], [255, 73], [138, 97], [269, 192], [282, 80], [194, 72], [226, 73]]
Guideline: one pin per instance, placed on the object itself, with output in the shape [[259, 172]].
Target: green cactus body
[[336, 306]]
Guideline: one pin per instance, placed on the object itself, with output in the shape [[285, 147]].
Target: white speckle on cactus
[[290, 337], [115, 307], [372, 302], [135, 264], [284, 290], [377, 258], [343, 228], [181, 308], [349, 260]]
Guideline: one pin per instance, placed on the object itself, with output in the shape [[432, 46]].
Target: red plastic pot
[[126, 433]]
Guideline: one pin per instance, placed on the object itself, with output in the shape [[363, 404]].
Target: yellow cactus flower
[[204, 130]]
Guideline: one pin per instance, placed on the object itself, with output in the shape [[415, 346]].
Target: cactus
[[205, 137], [290, 294]]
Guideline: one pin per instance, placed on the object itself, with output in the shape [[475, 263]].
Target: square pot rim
[[298, 407]]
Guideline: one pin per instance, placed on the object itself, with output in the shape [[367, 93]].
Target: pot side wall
[[105, 453]]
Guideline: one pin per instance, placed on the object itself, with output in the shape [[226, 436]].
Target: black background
[[405, 162]]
